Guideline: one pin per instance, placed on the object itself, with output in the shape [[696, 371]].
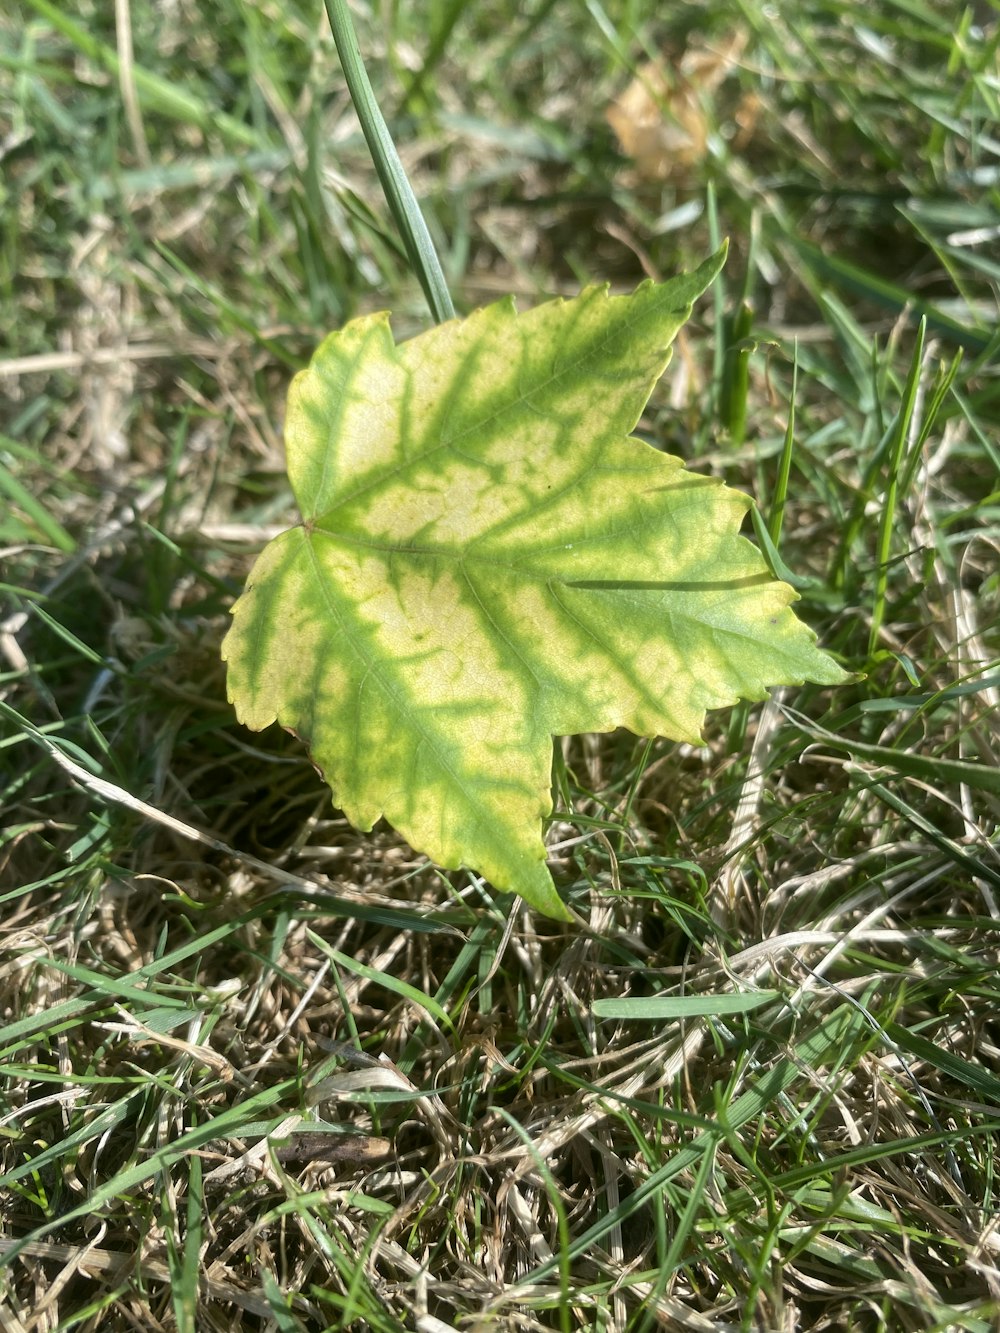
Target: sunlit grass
[[260, 1071]]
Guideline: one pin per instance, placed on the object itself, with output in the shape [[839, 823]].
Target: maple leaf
[[486, 560]]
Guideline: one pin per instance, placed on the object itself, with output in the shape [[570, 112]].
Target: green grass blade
[[984, 1083], [897, 448], [33, 509], [684, 1006], [284, 1320], [981, 777], [830, 1037], [780, 497], [236, 1120], [394, 984], [398, 191], [158, 94], [864, 283]]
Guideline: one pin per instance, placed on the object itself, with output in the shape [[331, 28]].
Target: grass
[[260, 1071]]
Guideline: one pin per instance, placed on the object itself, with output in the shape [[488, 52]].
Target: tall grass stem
[[398, 191]]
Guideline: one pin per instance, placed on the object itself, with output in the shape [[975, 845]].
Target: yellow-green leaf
[[487, 559]]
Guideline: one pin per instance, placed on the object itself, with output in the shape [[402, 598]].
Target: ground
[[263, 1071]]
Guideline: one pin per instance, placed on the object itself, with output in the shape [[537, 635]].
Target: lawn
[[261, 1071]]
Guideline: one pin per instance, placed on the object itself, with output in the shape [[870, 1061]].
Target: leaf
[[486, 560]]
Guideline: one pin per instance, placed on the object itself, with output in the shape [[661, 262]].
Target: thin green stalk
[[562, 1257], [737, 346], [398, 191], [785, 465], [901, 429], [718, 297]]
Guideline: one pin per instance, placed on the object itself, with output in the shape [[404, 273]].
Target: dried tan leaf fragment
[[662, 119]]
